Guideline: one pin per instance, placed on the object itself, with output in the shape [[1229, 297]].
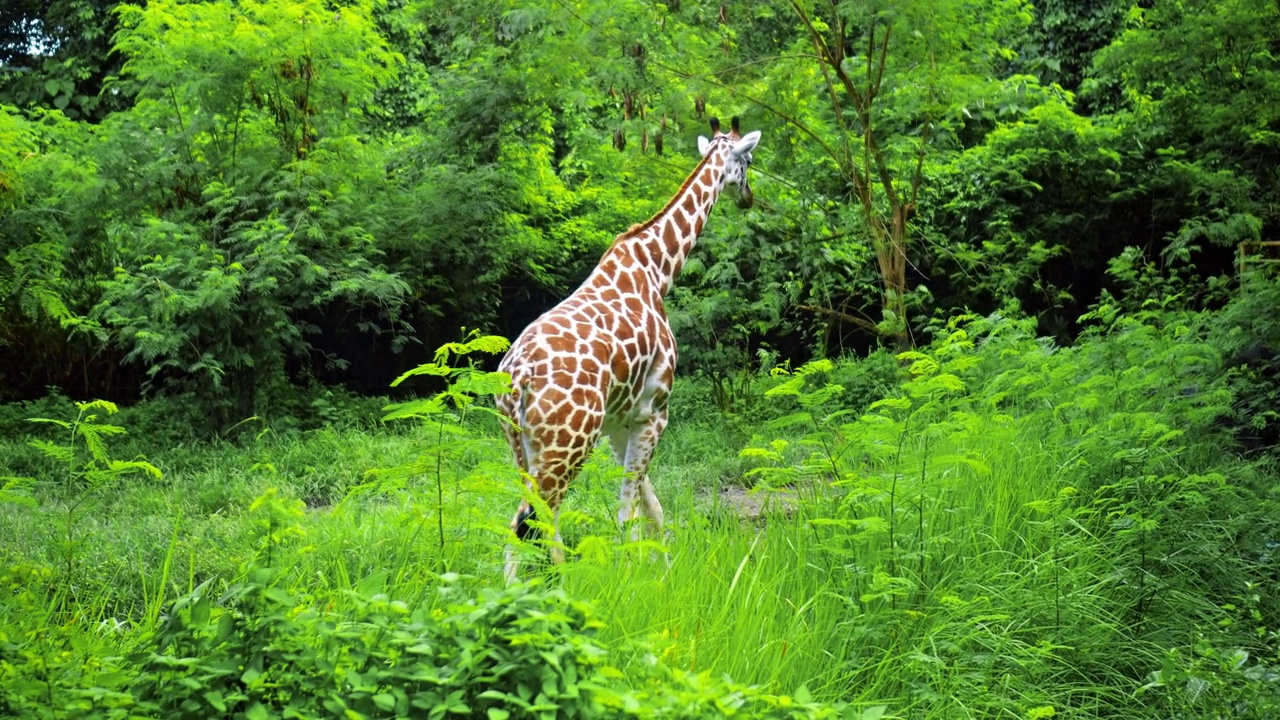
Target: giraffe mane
[[640, 227]]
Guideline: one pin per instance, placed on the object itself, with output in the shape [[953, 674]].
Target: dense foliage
[[1003, 526], [1045, 487], [239, 201]]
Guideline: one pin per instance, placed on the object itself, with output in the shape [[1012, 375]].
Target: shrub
[[521, 651]]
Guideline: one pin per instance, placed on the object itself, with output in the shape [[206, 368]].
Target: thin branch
[[884, 51], [813, 32], [847, 161], [842, 316], [749, 63], [791, 120], [919, 173]]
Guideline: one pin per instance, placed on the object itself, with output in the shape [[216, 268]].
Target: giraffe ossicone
[[601, 363]]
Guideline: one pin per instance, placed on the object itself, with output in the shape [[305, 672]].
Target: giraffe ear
[[747, 142], [703, 146]]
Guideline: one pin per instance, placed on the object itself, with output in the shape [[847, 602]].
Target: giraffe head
[[736, 152]]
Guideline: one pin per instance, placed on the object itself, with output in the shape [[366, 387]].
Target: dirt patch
[[752, 506]]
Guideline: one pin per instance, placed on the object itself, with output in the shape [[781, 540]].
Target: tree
[[899, 80], [1200, 81], [250, 209]]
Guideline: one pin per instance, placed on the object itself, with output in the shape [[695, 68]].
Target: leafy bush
[[522, 651], [259, 651], [1093, 474], [1248, 334], [50, 670]]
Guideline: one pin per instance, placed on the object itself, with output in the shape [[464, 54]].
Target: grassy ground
[[1017, 532]]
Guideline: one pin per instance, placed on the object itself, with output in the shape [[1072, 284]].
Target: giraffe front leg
[[649, 503], [637, 494], [555, 468], [629, 496]]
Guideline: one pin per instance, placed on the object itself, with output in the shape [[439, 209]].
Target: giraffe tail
[[524, 531]]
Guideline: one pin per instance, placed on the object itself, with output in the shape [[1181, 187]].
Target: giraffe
[[601, 362]]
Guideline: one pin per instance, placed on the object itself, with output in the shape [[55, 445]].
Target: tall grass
[[1019, 530]]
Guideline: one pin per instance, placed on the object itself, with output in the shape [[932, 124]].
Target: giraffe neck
[[660, 246]]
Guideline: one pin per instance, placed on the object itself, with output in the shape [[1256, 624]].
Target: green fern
[[446, 411], [89, 469]]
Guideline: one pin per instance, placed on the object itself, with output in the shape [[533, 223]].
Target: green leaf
[[214, 698], [803, 696], [875, 712], [200, 611]]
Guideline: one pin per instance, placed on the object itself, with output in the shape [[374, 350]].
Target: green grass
[[962, 552]]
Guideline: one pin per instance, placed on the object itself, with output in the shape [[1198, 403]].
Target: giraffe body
[[601, 363]]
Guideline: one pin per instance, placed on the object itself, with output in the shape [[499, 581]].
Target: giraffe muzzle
[[746, 198]]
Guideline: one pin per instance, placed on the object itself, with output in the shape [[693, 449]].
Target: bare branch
[[842, 316], [884, 51], [818, 42], [791, 120]]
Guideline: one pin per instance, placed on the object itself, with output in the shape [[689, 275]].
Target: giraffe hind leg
[[525, 512], [550, 451], [524, 531], [649, 504], [551, 480]]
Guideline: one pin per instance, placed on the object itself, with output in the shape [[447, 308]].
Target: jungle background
[[994, 353]]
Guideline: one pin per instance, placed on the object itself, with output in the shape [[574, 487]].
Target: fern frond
[[17, 490], [790, 387], [816, 366], [486, 383], [492, 344], [53, 450], [435, 369], [104, 405], [122, 467], [433, 405]]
